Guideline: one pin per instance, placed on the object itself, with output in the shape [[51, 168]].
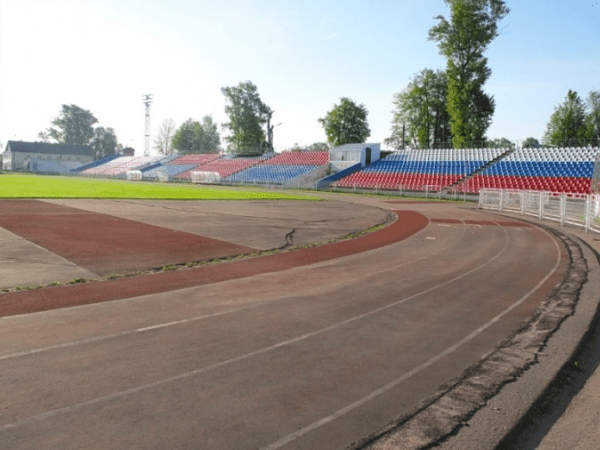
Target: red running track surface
[[105, 244], [408, 223]]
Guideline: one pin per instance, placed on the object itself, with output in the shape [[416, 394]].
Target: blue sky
[[104, 55]]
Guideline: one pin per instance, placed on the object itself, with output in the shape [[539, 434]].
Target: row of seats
[[168, 169], [437, 167], [542, 169], [196, 159], [300, 158], [224, 167], [396, 181], [270, 173], [466, 154], [580, 185], [120, 165]]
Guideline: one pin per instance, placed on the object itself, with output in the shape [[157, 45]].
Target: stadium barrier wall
[[325, 182], [582, 210], [306, 179]]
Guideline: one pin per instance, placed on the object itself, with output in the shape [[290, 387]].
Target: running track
[[314, 356]]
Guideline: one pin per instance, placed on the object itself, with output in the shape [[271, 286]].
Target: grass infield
[[33, 186]]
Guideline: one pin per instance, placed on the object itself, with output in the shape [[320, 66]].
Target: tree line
[[247, 113], [449, 109], [438, 109]]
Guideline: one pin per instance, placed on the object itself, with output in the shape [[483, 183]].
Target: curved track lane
[[314, 356]]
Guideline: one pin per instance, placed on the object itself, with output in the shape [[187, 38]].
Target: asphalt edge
[[486, 418]]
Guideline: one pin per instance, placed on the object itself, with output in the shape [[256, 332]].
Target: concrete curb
[[489, 402]]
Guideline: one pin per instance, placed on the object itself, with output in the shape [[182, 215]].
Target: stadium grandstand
[[418, 169], [541, 169], [352, 166], [282, 168], [224, 166], [171, 166], [117, 167]]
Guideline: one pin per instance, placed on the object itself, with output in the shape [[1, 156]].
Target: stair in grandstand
[[479, 170]]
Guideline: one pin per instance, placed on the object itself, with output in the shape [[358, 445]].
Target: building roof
[[56, 149]]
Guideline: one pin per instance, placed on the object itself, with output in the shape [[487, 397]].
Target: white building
[[19, 155]]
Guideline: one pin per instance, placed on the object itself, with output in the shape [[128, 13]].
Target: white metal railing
[[576, 209]]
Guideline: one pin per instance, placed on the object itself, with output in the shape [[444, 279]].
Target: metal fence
[[576, 209]]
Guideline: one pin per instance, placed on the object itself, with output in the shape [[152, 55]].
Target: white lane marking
[[127, 392], [202, 317], [123, 333], [313, 426]]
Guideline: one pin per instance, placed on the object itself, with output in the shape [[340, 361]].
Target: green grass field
[[33, 186]]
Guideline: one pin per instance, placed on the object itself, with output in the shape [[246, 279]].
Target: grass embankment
[[34, 186]]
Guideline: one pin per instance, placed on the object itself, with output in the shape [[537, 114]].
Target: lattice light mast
[[148, 99]]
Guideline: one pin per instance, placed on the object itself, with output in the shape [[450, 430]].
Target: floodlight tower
[[148, 99]]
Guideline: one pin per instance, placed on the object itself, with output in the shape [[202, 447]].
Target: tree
[[593, 118], [195, 137], [346, 123], [104, 142], [247, 114], [531, 143], [74, 126], [164, 139], [567, 125], [420, 114], [472, 27], [500, 143], [318, 146]]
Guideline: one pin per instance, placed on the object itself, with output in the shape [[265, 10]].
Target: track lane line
[[324, 421], [201, 317], [182, 376]]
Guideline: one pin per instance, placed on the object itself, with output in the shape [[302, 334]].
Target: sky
[[303, 56]]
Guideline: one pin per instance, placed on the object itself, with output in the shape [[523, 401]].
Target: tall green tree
[[473, 25], [197, 137], [74, 126], [104, 142], [593, 118], [567, 125], [247, 114], [346, 123], [420, 115]]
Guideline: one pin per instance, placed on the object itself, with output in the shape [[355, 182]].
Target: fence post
[[588, 215], [563, 208], [501, 199], [541, 207], [522, 203]]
